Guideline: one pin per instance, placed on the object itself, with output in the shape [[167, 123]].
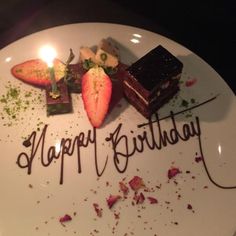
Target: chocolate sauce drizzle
[[207, 170], [182, 111], [199, 141], [123, 147]]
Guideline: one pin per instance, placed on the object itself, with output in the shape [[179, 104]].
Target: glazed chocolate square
[[61, 104], [152, 80], [154, 69]]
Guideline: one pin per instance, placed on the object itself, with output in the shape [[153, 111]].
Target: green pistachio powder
[[15, 101]]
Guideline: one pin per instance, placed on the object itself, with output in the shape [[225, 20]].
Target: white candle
[[48, 54]]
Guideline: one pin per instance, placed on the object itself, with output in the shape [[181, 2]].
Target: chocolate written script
[[154, 137]]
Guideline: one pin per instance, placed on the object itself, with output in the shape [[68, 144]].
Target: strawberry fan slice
[[96, 94], [36, 72]]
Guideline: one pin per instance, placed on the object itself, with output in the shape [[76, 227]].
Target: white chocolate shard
[[104, 58], [109, 47], [85, 54]]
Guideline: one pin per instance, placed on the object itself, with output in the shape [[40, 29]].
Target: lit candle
[[48, 54]]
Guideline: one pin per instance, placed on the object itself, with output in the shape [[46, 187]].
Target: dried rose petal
[[198, 159], [97, 209], [173, 172], [190, 82], [65, 218], [152, 200], [139, 198], [117, 215], [189, 206], [136, 183], [112, 200], [123, 188]]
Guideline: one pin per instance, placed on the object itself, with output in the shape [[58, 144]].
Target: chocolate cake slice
[[152, 80]]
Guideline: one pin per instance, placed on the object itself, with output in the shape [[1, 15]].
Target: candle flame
[[48, 54]]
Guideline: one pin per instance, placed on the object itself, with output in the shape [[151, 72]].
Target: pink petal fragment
[[173, 172], [189, 206], [139, 198], [136, 183], [190, 82], [112, 200], [97, 209], [152, 200], [198, 159], [123, 188], [117, 215], [65, 218]]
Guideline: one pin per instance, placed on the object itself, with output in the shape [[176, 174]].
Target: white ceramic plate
[[31, 204]]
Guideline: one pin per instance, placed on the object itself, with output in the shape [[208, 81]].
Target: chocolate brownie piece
[[59, 105], [152, 80]]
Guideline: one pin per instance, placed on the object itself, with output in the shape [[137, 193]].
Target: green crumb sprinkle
[[28, 94], [184, 103], [3, 99], [13, 93], [14, 102], [39, 124], [188, 115], [192, 100]]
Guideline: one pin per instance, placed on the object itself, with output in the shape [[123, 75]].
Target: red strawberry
[[96, 94], [36, 72]]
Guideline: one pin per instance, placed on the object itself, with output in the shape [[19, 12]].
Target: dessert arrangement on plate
[[107, 147], [147, 84]]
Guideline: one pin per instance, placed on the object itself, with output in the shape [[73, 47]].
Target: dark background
[[205, 27]]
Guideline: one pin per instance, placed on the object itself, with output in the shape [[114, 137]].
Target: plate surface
[[200, 200]]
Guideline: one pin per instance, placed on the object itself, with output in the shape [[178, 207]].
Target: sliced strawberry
[[36, 72], [96, 94]]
